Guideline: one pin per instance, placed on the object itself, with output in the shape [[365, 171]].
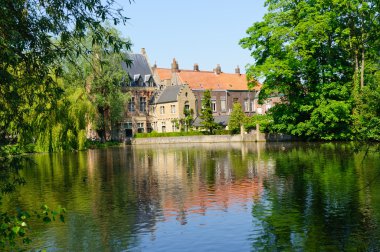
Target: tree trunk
[[362, 71], [356, 66], [106, 119]]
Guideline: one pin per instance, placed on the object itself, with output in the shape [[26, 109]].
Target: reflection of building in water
[[196, 178]]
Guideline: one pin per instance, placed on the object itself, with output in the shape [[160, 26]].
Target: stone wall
[[252, 137]]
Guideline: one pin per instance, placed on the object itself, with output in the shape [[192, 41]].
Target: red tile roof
[[209, 80], [164, 73]]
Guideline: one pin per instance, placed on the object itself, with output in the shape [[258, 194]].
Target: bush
[[222, 132], [16, 149], [168, 134], [265, 122]]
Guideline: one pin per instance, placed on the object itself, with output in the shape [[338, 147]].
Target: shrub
[[168, 134]]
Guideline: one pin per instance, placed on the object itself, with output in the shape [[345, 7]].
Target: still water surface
[[209, 197]]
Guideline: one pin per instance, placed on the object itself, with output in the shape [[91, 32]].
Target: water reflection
[[211, 196]]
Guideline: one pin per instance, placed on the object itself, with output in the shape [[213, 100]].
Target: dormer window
[[136, 77], [147, 78]]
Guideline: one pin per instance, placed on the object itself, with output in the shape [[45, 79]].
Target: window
[[149, 127], [162, 110], [128, 125], [252, 106], [140, 127], [223, 105], [142, 104], [246, 105], [259, 111], [213, 106], [163, 127], [172, 109], [187, 106], [131, 104]]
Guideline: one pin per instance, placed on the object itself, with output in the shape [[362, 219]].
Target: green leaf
[[15, 230]]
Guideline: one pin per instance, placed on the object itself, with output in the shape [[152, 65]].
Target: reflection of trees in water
[[96, 188], [313, 202], [193, 178], [304, 196]]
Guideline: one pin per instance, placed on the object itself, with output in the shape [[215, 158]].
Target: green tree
[[319, 55], [187, 121], [237, 118], [264, 122], [35, 37], [105, 89], [91, 95], [206, 113]]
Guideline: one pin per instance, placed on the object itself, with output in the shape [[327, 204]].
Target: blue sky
[[206, 32]]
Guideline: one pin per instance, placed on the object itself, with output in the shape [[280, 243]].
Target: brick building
[[226, 88]]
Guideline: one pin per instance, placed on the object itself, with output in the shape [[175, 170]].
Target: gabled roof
[[209, 80], [139, 65], [169, 94]]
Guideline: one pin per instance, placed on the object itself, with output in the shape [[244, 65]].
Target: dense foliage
[[206, 116], [36, 39], [187, 121], [323, 56], [100, 78], [265, 123], [237, 118], [41, 43], [14, 226]]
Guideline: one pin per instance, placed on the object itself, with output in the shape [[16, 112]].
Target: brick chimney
[[175, 67], [218, 69], [237, 70], [196, 67]]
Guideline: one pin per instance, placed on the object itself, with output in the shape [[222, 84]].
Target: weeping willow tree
[[90, 95], [36, 39], [64, 127], [105, 90]]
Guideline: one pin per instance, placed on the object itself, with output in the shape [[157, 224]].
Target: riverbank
[[252, 137]]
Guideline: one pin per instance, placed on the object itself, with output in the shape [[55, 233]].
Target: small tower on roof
[[175, 67]]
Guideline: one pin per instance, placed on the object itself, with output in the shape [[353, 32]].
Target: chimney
[[237, 70], [143, 52], [175, 66], [196, 67], [218, 69]]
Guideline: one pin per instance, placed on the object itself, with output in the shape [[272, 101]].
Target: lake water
[[206, 197]]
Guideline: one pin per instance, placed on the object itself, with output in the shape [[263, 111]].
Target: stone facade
[[169, 106], [142, 88]]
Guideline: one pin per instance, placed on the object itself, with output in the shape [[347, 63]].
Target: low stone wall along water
[[252, 137]]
